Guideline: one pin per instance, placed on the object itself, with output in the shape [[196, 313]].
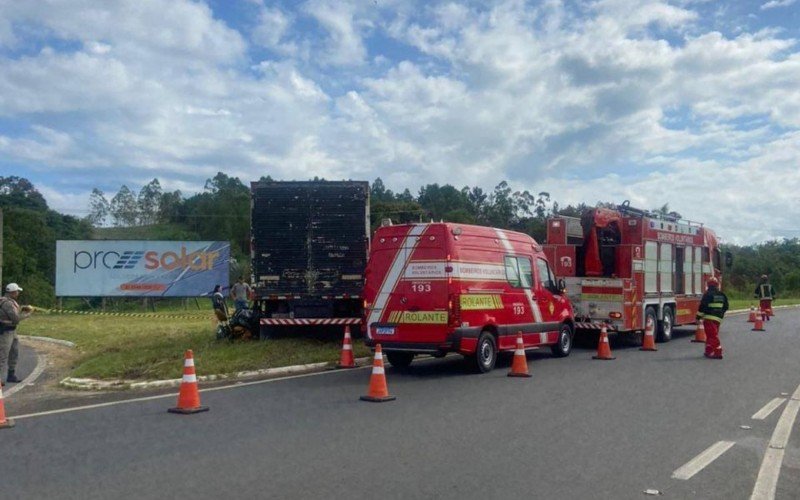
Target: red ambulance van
[[445, 287]]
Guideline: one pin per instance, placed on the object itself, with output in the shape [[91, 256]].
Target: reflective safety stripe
[[399, 263], [191, 379], [347, 347], [712, 318], [715, 305], [188, 362], [537, 314], [377, 370], [519, 352], [378, 355]]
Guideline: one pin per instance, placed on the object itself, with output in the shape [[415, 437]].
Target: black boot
[[12, 378]]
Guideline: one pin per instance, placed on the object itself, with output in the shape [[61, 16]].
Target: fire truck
[[628, 269]]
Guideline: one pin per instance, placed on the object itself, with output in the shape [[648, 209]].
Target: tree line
[[222, 212]]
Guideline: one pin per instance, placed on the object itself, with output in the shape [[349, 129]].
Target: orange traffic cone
[[378, 392], [603, 347], [189, 396], [759, 324], [346, 360], [5, 423], [519, 367], [700, 332], [752, 317], [649, 342]]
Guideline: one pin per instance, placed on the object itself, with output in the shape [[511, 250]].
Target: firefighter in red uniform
[[711, 311], [765, 294]]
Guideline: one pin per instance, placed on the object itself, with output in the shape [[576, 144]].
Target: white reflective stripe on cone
[[377, 370], [604, 340], [188, 362], [519, 352], [347, 347], [190, 378], [378, 356]]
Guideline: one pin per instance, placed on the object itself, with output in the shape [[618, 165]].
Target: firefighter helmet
[[764, 277], [712, 281]]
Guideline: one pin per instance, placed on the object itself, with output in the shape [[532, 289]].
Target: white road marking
[[702, 460], [768, 474], [768, 409], [41, 363], [784, 428], [175, 394]]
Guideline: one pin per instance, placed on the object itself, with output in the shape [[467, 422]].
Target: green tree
[[99, 208], [148, 202], [123, 207]]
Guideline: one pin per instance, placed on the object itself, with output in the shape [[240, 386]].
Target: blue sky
[[693, 103]]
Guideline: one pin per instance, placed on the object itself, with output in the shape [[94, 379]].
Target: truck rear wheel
[[400, 359], [564, 345], [665, 326], [485, 353]]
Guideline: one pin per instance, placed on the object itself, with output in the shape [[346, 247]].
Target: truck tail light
[[615, 315], [453, 311]]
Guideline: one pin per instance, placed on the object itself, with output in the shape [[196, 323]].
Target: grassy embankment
[[152, 348]]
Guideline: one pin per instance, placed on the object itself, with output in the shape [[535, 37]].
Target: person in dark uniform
[[765, 294], [711, 311]]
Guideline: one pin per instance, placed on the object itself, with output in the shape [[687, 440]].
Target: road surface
[[669, 421]]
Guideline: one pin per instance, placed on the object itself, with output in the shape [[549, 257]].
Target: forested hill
[[221, 212]]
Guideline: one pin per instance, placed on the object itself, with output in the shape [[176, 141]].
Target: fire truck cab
[[627, 268], [443, 287]]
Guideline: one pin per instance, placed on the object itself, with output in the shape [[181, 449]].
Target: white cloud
[[344, 45], [774, 4], [634, 99]]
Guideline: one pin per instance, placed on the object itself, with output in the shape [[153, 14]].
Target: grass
[[746, 303], [133, 348]]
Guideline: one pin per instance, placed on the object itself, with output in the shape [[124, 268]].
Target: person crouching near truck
[[711, 311]]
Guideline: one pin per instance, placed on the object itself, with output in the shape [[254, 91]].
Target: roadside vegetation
[[141, 348]]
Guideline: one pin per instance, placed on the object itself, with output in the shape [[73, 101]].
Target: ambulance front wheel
[[564, 345], [485, 353], [400, 359]]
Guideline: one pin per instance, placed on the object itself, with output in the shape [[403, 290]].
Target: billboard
[[129, 268]]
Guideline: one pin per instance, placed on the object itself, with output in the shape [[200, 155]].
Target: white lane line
[[175, 394], [41, 363], [768, 408], [768, 474], [702, 460], [784, 428]]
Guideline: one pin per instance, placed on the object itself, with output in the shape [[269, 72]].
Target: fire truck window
[[512, 272], [717, 259], [706, 256], [525, 272], [545, 275]]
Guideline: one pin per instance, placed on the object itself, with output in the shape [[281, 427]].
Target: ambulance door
[[517, 302], [550, 303]]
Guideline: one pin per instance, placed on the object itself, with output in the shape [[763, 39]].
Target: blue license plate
[[384, 330]]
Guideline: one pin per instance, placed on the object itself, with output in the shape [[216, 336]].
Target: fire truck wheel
[[665, 326], [400, 359], [564, 345], [485, 353]]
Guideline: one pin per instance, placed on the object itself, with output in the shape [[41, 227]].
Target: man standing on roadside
[[240, 292], [10, 315], [711, 311], [765, 295]]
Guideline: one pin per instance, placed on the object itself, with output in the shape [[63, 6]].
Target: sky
[[690, 103]]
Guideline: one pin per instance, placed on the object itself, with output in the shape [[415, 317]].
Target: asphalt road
[[579, 428]]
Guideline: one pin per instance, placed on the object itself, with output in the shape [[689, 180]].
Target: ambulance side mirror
[[562, 286], [728, 259]]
